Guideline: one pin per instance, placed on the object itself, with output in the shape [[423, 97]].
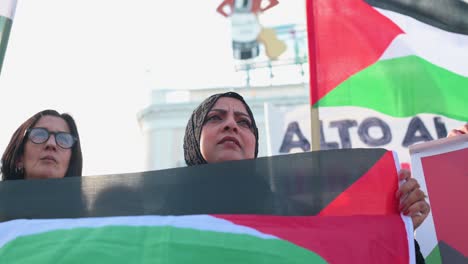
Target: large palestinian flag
[[7, 11], [397, 57], [321, 207], [394, 70], [401, 63]]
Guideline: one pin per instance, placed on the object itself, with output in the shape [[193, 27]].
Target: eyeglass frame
[[49, 133]]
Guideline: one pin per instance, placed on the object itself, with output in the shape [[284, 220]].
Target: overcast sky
[[99, 59]]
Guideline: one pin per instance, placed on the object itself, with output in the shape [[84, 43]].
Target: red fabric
[[406, 165], [447, 182], [344, 36], [372, 194], [362, 225], [337, 239]]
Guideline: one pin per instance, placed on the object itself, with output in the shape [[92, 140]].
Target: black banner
[[294, 184]]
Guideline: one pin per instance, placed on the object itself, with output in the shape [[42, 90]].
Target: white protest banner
[[288, 129]]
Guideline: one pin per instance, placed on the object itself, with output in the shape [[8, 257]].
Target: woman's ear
[[19, 162]]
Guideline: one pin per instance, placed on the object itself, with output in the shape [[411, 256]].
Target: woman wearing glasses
[[46, 146]]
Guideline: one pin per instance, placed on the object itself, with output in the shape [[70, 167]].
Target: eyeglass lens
[[40, 135]]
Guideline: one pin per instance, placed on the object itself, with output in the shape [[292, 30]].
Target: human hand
[[460, 131], [412, 199]]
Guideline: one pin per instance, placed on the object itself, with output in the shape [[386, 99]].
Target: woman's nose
[[230, 124], [51, 143]]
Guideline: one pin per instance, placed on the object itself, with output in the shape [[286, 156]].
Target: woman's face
[[227, 132], [46, 160]]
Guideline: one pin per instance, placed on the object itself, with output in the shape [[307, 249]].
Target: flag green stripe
[[434, 256], [5, 28], [143, 244], [403, 87]]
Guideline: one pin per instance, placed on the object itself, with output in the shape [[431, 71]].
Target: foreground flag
[[444, 232], [207, 239], [400, 58], [7, 11], [304, 184], [322, 207]]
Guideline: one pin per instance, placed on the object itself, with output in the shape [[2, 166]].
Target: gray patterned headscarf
[[192, 153]]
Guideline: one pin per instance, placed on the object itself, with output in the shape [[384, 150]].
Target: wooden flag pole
[[315, 127], [314, 112]]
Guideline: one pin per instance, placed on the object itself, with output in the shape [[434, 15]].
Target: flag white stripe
[[17, 228], [410, 236], [442, 48], [7, 8]]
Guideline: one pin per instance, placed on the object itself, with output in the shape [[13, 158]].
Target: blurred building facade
[[282, 83], [163, 122]]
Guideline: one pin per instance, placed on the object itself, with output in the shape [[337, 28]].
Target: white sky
[[99, 59]]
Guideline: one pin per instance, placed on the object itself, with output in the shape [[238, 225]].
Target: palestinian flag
[[444, 232], [319, 207], [397, 57], [7, 11], [452, 245]]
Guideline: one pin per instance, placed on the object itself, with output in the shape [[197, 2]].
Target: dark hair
[[192, 153], [15, 148]]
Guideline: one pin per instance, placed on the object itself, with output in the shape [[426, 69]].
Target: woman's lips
[[49, 158], [233, 140]]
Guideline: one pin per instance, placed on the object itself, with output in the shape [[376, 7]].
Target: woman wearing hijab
[[223, 128]]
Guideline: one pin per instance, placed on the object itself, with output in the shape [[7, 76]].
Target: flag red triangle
[[372, 194], [344, 37], [351, 218]]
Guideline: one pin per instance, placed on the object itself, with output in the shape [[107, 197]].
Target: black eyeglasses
[[39, 135]]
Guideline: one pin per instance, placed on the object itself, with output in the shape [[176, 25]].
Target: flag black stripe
[[296, 184], [451, 255], [449, 15]]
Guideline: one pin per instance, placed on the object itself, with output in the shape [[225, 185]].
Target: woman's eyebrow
[[238, 113], [54, 131], [222, 111]]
